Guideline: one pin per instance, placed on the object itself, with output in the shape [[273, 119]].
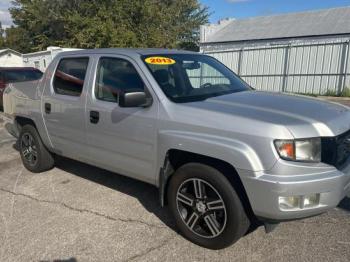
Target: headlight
[[305, 150]]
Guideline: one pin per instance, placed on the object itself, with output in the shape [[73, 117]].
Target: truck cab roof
[[126, 51]]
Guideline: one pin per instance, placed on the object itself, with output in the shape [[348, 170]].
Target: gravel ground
[[76, 212], [342, 100]]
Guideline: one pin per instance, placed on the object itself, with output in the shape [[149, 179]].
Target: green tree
[[17, 39], [109, 23]]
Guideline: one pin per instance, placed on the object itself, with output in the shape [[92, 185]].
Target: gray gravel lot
[[76, 212]]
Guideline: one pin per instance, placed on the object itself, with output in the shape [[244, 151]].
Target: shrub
[[346, 92]]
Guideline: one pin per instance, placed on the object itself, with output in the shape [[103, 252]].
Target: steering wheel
[[206, 85]]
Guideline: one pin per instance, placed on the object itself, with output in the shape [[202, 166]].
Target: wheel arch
[[20, 121], [176, 158]]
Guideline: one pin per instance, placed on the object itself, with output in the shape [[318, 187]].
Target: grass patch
[[303, 94], [330, 93], [308, 94], [344, 93]]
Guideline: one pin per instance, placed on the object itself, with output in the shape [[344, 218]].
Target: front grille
[[336, 150]]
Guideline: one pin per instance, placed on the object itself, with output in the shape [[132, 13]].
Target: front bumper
[[264, 191]]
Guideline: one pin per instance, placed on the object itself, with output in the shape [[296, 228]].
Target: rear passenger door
[[122, 140], [63, 105]]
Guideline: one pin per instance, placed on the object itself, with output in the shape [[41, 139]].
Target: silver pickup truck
[[222, 154]]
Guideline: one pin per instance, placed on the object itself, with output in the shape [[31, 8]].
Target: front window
[[189, 78], [116, 76]]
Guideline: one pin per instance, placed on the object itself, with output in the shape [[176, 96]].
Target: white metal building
[[10, 58], [304, 52], [42, 59]]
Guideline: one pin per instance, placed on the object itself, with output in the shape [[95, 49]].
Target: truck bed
[[21, 98]]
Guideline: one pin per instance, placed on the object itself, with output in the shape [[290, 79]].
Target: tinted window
[[70, 75], [189, 78], [115, 76], [2, 83], [22, 75]]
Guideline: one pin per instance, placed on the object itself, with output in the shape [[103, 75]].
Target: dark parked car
[[16, 74]]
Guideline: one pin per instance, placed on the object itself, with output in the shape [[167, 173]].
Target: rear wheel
[[35, 157], [206, 208]]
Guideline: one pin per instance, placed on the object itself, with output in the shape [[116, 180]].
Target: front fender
[[234, 152]]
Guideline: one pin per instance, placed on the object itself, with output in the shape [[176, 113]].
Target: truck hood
[[302, 116]]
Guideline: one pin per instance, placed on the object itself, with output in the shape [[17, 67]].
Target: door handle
[[94, 117], [47, 108]]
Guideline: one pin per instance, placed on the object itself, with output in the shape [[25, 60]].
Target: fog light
[[311, 200], [290, 202], [298, 202]]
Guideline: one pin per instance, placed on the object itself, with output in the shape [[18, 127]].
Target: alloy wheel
[[29, 150], [201, 208]]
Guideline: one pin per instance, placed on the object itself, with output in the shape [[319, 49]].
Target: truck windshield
[[189, 78]]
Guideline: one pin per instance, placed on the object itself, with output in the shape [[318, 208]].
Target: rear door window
[[70, 76]]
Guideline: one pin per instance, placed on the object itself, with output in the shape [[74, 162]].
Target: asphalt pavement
[[77, 212]]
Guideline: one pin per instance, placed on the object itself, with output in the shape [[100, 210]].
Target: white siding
[[317, 66], [9, 59], [39, 60]]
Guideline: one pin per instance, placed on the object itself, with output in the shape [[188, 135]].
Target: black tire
[[42, 159], [225, 232]]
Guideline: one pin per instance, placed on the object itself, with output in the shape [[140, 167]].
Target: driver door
[[122, 140]]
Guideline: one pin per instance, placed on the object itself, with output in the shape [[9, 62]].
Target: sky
[[220, 9], [5, 17], [239, 9]]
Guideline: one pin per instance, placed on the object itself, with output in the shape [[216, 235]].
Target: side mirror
[[135, 99]]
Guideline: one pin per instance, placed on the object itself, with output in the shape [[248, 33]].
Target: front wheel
[[206, 208]]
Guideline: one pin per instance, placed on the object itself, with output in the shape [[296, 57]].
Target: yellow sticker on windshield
[[158, 60]]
